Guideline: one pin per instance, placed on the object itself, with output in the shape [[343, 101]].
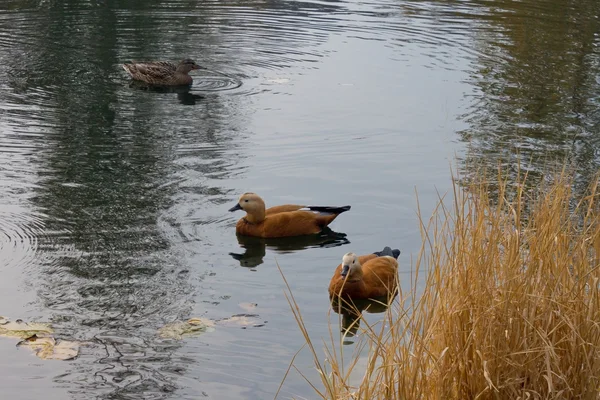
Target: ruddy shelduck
[[282, 221], [369, 276]]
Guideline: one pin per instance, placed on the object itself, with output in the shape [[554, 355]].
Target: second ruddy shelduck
[[282, 221], [366, 277]]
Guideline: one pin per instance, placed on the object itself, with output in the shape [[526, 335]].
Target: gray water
[[113, 200]]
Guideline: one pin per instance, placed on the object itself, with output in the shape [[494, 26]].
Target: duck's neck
[[183, 69], [256, 217], [355, 274]]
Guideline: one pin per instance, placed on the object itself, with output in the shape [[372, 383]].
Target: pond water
[[113, 200]]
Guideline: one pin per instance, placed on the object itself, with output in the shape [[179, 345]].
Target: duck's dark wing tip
[[387, 251], [328, 210]]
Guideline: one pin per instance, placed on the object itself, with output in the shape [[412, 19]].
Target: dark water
[[113, 200]]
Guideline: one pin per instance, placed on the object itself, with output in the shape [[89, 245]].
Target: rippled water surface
[[114, 198]]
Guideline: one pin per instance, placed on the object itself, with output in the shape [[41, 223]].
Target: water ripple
[[20, 231], [215, 83]]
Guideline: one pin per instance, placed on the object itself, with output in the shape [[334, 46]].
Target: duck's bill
[[235, 208], [345, 269]]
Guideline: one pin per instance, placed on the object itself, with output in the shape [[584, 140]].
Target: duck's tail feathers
[[128, 68], [328, 210], [387, 251]]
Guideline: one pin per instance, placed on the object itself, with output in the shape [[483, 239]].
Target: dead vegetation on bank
[[503, 303]]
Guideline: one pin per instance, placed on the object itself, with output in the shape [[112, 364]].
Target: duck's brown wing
[[322, 211], [292, 223], [283, 208], [380, 276], [151, 72]]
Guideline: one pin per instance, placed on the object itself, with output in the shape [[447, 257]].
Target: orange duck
[[282, 221], [369, 276]]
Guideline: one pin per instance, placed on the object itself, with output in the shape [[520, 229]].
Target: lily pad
[[47, 348], [21, 329], [193, 326]]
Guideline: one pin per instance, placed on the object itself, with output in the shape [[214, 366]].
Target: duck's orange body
[[282, 221], [366, 277]]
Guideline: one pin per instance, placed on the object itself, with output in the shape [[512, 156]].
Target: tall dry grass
[[503, 303]]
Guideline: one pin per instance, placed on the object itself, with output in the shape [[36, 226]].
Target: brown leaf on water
[[248, 306], [193, 326], [242, 320], [47, 348], [21, 329]]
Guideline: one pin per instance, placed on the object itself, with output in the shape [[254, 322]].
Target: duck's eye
[[246, 201]]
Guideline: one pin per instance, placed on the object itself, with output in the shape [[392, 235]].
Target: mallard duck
[[163, 73], [282, 221]]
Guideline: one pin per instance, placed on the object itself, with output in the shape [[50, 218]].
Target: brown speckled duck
[[162, 73]]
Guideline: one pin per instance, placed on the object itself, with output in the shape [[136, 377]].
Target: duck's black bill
[[235, 208], [345, 269]]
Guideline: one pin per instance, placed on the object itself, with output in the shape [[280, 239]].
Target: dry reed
[[508, 307]]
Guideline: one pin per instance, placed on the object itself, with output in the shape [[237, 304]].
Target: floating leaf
[[47, 348], [21, 329], [278, 80], [193, 326], [248, 306], [243, 320]]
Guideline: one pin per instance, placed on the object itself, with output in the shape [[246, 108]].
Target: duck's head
[[349, 263], [251, 203], [187, 65]]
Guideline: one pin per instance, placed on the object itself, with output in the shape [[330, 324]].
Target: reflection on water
[[350, 312], [535, 85], [112, 199], [182, 92], [256, 247]]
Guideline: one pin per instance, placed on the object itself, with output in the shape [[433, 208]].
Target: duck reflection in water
[[256, 247], [183, 91], [351, 311]]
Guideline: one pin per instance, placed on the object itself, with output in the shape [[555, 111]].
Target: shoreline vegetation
[[503, 302]]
